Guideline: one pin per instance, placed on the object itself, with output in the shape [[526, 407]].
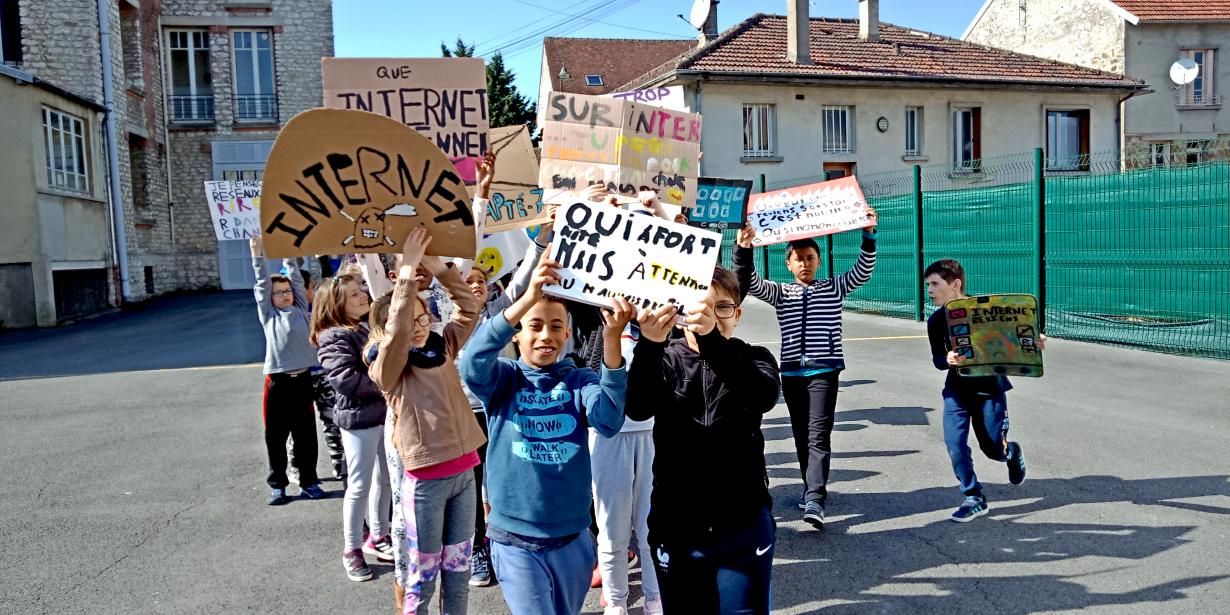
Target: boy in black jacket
[[707, 393]]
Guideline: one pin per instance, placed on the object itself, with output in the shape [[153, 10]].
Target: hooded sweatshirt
[[538, 474]]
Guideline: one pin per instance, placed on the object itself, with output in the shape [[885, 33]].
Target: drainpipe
[[113, 160], [166, 134]]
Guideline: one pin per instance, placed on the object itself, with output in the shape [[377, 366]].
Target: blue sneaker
[[1016, 463], [974, 506], [277, 497], [813, 513], [314, 492]]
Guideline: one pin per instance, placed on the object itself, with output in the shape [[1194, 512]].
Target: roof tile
[[616, 60], [1177, 10]]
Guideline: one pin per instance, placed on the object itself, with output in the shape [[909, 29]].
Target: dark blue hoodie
[[538, 476]]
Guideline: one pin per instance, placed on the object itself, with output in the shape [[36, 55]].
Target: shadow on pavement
[[165, 333], [921, 569]]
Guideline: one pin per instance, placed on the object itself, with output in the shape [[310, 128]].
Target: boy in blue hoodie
[[538, 468]]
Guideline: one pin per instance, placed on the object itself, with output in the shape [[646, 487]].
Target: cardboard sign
[[629, 147], [808, 211], [235, 207], [606, 252], [720, 203], [997, 335], [342, 181], [501, 253], [444, 99], [516, 199], [667, 97]]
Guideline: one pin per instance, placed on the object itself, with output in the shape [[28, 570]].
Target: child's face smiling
[[544, 329]]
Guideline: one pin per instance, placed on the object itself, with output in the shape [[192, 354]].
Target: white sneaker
[[615, 610], [652, 607]]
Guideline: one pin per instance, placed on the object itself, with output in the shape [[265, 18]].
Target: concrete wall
[[1083, 32], [1013, 122], [1151, 49]]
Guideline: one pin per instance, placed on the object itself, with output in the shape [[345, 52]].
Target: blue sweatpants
[[988, 414], [532, 581]]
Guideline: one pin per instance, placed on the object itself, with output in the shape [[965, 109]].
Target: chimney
[[869, 20], [798, 31], [709, 31]]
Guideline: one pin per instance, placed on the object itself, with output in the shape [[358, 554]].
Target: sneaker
[[974, 506], [814, 514], [652, 607], [480, 568], [313, 492], [356, 567], [595, 581], [803, 500], [381, 548], [614, 610], [633, 560], [277, 497], [1016, 463]]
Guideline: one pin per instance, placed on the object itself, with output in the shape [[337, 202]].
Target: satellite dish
[[1184, 71], [700, 12]]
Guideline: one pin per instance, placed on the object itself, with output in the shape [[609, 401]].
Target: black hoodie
[[708, 468]]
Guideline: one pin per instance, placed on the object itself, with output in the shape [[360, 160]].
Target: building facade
[[1141, 39], [199, 90]]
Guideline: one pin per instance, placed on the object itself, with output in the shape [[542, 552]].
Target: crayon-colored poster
[[444, 99], [629, 147], [606, 252], [808, 211], [341, 181], [235, 207], [997, 335], [720, 203]]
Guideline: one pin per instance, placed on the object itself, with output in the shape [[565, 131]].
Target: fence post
[[828, 240], [1039, 260], [920, 295], [764, 250]]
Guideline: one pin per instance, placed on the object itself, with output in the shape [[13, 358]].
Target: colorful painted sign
[[628, 146], [606, 252], [997, 335], [235, 207], [667, 97], [808, 211], [444, 99], [516, 199], [342, 181], [720, 203]]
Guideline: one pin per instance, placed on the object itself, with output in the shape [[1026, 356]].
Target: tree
[[505, 105]]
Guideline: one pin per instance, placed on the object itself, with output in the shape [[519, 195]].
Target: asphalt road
[[133, 467]]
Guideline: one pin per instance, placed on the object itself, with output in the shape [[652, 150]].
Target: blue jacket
[[538, 475]]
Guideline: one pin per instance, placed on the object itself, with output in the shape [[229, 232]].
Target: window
[[191, 97], [594, 80], [1067, 140], [967, 138], [243, 175], [837, 137], [913, 131], [254, 90], [759, 128], [1194, 152], [1159, 154], [65, 153], [10, 33], [1200, 92]]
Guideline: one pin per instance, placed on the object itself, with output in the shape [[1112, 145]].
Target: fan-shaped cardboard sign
[[342, 181]]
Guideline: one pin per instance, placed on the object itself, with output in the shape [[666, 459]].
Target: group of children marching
[[463, 465]]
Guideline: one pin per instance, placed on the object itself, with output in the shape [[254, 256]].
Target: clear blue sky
[[415, 28]]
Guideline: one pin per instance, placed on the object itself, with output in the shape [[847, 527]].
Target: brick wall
[[1082, 32]]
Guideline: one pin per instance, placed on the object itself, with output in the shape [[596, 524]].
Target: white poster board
[[235, 207], [808, 211], [606, 252], [667, 97]]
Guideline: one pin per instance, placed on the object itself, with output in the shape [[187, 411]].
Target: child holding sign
[[707, 393], [538, 467], [433, 429], [969, 400], [809, 315]]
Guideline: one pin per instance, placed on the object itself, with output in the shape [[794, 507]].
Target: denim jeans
[[988, 414]]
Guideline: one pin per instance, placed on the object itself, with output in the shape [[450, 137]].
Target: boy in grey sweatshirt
[[282, 306]]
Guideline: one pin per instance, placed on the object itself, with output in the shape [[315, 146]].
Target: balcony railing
[[1198, 99], [192, 108], [255, 108]]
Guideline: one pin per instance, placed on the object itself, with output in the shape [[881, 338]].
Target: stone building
[[199, 90], [1138, 38]]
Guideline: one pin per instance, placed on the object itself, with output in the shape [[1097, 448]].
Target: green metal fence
[[1127, 248]]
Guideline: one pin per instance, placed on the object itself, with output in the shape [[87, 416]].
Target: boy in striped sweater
[[809, 315]]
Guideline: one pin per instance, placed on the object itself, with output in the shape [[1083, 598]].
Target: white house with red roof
[[791, 97], [1142, 39]]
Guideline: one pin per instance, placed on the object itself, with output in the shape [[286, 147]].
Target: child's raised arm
[[386, 370], [465, 306], [264, 297], [750, 281], [298, 289], [651, 376], [858, 275]]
